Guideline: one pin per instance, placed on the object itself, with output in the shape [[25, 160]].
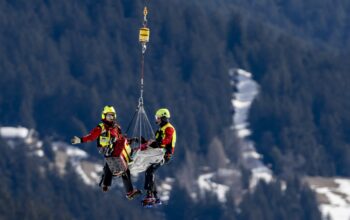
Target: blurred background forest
[[62, 61]]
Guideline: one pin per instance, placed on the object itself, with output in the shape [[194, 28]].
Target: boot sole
[[151, 205], [134, 196]]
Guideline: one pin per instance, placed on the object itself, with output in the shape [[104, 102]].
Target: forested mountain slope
[[62, 61]]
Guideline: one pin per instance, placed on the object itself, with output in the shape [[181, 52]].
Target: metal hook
[[144, 47]]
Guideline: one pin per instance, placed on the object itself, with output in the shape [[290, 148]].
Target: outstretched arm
[[93, 135]]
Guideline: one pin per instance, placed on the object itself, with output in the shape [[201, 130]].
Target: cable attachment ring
[[145, 12]]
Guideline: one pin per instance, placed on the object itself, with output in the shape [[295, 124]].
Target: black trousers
[[150, 184], [107, 178]]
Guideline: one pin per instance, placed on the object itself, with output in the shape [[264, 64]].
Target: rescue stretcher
[[137, 160]]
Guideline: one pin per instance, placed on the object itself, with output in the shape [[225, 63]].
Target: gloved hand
[[143, 147], [155, 144], [76, 140], [167, 157], [143, 140], [133, 140]]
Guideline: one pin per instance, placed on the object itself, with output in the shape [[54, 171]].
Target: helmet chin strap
[[109, 123], [163, 121]]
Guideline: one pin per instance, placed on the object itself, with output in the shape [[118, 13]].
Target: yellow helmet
[[163, 112], [108, 109]]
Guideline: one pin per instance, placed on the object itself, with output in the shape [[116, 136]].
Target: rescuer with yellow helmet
[[166, 139], [107, 133]]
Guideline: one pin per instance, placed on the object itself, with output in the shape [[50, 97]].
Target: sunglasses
[[157, 118], [110, 116]]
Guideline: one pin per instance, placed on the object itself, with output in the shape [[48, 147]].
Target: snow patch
[[79, 159], [333, 195], [39, 153], [14, 132], [206, 184], [76, 152], [246, 90], [260, 173], [83, 175], [22, 137], [165, 189], [242, 133], [251, 154], [240, 104], [244, 73], [64, 153], [71, 151]]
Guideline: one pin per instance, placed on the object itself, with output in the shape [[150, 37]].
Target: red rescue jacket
[[104, 133]]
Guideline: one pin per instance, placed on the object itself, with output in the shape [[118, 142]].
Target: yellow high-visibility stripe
[[173, 141]]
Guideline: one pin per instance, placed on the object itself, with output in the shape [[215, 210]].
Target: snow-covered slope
[[219, 181], [88, 168], [224, 180], [245, 90], [333, 195], [22, 136]]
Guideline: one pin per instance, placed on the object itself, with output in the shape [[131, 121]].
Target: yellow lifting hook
[[144, 31]]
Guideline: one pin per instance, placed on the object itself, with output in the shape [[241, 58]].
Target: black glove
[[133, 140], [167, 157], [143, 140], [155, 144]]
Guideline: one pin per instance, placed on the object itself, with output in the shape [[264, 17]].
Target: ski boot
[[150, 201], [132, 194], [104, 188]]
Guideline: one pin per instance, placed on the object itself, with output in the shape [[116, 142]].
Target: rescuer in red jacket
[[107, 133], [165, 139]]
